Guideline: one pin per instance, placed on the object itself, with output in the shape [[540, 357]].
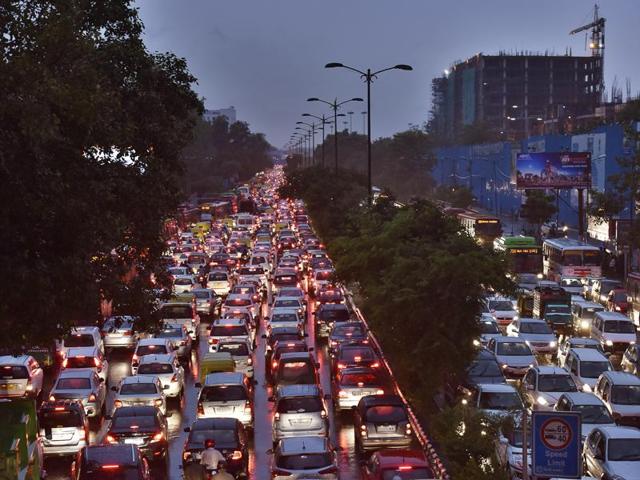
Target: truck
[[553, 304], [20, 448]]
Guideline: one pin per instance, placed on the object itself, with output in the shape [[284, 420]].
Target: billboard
[[541, 170]]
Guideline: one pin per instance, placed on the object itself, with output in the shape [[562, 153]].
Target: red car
[[397, 464], [617, 300]]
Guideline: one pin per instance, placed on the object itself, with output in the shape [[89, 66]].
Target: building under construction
[[513, 94]]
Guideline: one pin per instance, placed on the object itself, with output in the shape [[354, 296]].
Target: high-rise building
[[513, 94], [210, 115]]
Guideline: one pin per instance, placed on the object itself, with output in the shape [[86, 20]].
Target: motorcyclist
[[222, 473], [211, 457]]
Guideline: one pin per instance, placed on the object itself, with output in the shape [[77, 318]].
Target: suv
[[106, 461], [583, 313], [544, 385], [304, 457], [585, 366], [87, 357], [592, 411], [620, 392], [351, 384], [64, 427], [328, 314], [226, 394], [614, 331], [381, 421], [299, 412], [385, 464], [81, 337], [612, 453], [168, 370], [20, 376]]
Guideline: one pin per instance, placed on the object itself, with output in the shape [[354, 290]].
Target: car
[[612, 453], [593, 412], [536, 333], [513, 355], [119, 332], [352, 384], [319, 279], [329, 314], [83, 385], [354, 354], [183, 283], [620, 392], [231, 440], [273, 354], [226, 394], [255, 274], [283, 317], [576, 342], [572, 285], [346, 332], [488, 329], [502, 309], [230, 329], [296, 368], [241, 303], [284, 278], [401, 464], [206, 301], [304, 457], [601, 287], [631, 359], [87, 357], [183, 313], [495, 400], [97, 462], [219, 281], [381, 421], [150, 346], [80, 337], [509, 446], [167, 369], [142, 426], [583, 313], [618, 300], [614, 331], [241, 352], [64, 427], [248, 289], [177, 334], [276, 334], [290, 292], [295, 303], [543, 385], [484, 368], [20, 377], [329, 294], [300, 411], [143, 390], [585, 366]]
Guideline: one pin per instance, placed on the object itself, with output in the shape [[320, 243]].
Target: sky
[[266, 57]]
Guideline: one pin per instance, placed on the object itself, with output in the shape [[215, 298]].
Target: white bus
[[566, 257]]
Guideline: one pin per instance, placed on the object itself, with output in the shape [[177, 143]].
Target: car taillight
[[380, 392], [341, 366], [323, 414], [274, 364], [276, 416], [375, 365], [200, 408], [127, 333], [236, 455], [249, 361], [213, 341], [174, 378], [52, 398], [363, 430], [407, 429], [343, 394], [65, 362], [92, 397], [158, 437], [247, 407], [134, 360], [405, 468], [117, 403], [157, 402], [111, 439]]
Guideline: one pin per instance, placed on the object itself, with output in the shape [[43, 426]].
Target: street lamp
[[307, 139], [334, 105], [323, 122], [350, 121], [368, 77], [313, 141]]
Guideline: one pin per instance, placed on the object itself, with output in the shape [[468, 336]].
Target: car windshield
[[297, 372], [556, 383], [570, 282], [357, 354], [588, 313], [623, 450], [413, 473], [299, 405], [223, 437], [489, 327], [620, 297], [597, 414], [500, 305], [217, 277], [243, 290], [500, 401], [81, 362], [291, 292], [360, 380], [385, 414], [79, 340], [73, 384], [134, 423], [235, 349], [138, 389], [155, 368], [229, 331], [593, 369], [183, 281], [334, 315], [223, 393], [151, 350], [485, 368], [625, 394], [535, 328], [201, 295], [13, 372], [118, 322], [176, 311], [59, 419], [304, 461], [287, 303], [516, 349], [347, 330], [619, 326], [284, 317], [169, 333]]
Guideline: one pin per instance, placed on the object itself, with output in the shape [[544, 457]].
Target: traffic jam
[[260, 366], [566, 342]]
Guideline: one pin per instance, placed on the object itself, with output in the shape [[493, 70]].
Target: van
[[585, 366], [614, 331], [64, 427], [299, 411], [620, 392], [583, 313]]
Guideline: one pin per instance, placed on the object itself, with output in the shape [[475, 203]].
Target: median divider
[[422, 437]]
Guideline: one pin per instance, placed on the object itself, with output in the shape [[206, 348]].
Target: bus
[[525, 255], [566, 257], [484, 228]]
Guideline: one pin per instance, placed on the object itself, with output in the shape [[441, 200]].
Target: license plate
[[300, 422], [134, 441], [387, 428]]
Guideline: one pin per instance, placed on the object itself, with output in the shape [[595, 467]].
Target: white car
[[544, 385], [219, 281], [80, 337], [576, 342], [167, 368], [620, 392], [183, 284], [488, 329], [536, 333], [495, 399], [585, 366], [140, 390], [226, 394], [612, 453], [513, 355], [509, 451], [20, 376], [150, 346], [502, 309], [593, 412], [87, 357], [84, 385], [240, 303], [241, 351], [286, 317]]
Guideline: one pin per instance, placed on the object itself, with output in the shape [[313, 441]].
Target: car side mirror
[[114, 389], [198, 385], [186, 429], [168, 415], [101, 380], [264, 335], [271, 398], [327, 396], [165, 387], [269, 452]]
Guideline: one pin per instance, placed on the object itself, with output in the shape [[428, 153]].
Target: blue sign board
[[557, 443]]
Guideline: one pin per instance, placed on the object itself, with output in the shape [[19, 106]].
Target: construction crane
[[596, 45]]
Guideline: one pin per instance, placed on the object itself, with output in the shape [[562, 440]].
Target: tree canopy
[[93, 125]]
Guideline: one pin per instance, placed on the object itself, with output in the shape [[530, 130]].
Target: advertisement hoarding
[[542, 170]]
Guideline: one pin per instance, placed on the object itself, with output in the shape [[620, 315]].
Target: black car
[[280, 347], [329, 314], [280, 333], [143, 426], [230, 437], [115, 462], [382, 421], [347, 332], [355, 354], [484, 369]]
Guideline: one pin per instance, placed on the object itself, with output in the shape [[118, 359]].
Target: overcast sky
[[266, 57]]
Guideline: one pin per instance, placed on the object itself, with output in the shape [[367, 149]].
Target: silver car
[[612, 453], [119, 332], [144, 390], [206, 301], [179, 337], [64, 428], [167, 369], [84, 385], [304, 457], [226, 394], [241, 352], [299, 411], [351, 384]]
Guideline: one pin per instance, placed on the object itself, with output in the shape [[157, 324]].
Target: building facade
[[210, 115]]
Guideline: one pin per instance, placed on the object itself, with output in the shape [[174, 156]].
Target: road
[[183, 413]]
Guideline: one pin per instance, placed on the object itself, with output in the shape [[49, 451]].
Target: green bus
[[525, 254]]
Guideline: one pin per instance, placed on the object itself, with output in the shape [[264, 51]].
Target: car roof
[[221, 322], [293, 445], [295, 356], [583, 341], [582, 398], [11, 360], [77, 373], [109, 454], [82, 351], [334, 306], [152, 341], [298, 391], [589, 354], [532, 320], [484, 354], [224, 378], [139, 379], [374, 400], [396, 457], [497, 388], [85, 329], [135, 411], [620, 432], [622, 378], [550, 370], [158, 358], [222, 423], [612, 316], [508, 340]]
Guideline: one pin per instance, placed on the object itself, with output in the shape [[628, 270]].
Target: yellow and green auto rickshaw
[[214, 362]]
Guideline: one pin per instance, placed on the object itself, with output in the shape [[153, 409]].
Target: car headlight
[[516, 317], [476, 342], [505, 366], [586, 388], [553, 344], [542, 401], [584, 324], [609, 343], [540, 276]]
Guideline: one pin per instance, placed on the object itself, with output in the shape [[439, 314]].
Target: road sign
[[556, 449]]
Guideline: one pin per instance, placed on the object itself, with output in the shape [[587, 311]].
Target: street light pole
[[311, 125], [368, 77], [323, 122], [350, 121]]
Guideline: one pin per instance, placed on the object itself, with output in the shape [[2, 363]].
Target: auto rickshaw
[[214, 362], [525, 304]]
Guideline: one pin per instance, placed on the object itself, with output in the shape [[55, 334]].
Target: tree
[[458, 196], [93, 125], [538, 207]]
